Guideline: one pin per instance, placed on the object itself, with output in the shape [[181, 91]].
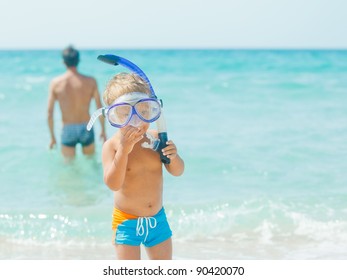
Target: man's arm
[[50, 111], [96, 96]]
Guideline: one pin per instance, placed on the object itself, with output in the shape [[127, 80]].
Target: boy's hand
[[176, 166], [170, 151], [129, 137]]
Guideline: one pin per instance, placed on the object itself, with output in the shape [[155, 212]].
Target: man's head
[[71, 57], [124, 83]]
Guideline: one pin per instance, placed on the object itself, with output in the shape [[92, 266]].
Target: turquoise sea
[[264, 139]]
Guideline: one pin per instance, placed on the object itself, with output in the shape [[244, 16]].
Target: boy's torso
[[141, 194]]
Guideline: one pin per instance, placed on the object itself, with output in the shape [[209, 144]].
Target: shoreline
[[182, 250]]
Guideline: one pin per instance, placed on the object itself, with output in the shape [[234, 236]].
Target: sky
[[185, 24]]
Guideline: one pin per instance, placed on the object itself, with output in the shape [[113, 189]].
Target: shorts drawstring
[[141, 229]]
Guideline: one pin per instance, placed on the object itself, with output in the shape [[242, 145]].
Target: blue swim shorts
[[73, 134], [133, 230]]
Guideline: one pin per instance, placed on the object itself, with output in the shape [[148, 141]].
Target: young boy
[[135, 174]]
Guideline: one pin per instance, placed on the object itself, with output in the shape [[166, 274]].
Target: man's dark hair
[[71, 56]]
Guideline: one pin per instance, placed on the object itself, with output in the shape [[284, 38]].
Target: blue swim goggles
[[131, 108]]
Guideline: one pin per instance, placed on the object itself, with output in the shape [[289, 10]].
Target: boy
[[135, 175]]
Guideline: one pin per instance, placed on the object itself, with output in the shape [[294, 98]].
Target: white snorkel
[[155, 144]]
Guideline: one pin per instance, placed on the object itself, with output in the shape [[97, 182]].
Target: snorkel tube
[[161, 124]]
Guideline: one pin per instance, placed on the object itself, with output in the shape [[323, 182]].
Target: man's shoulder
[[57, 80], [88, 78], [88, 81]]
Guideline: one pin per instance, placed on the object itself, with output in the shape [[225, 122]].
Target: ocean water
[[264, 139]]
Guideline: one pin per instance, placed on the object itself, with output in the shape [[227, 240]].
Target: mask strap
[[97, 114]]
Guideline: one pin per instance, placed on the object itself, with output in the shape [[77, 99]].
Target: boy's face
[[135, 109]]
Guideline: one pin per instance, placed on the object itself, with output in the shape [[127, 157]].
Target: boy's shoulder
[[112, 142]]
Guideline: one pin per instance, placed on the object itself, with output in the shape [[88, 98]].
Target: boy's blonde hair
[[124, 83]]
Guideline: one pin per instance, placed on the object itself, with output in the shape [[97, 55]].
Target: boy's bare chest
[[143, 159]]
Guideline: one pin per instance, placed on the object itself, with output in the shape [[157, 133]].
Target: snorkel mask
[[132, 108]]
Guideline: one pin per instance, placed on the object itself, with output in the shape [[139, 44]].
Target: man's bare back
[[74, 93]]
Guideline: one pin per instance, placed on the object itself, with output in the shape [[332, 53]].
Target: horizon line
[[181, 49]]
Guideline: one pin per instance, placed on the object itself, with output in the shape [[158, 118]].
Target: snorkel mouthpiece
[[97, 114], [155, 144]]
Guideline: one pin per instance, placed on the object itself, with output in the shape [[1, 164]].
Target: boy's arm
[[115, 156], [114, 165], [176, 166]]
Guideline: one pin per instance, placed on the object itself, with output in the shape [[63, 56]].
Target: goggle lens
[[148, 110]]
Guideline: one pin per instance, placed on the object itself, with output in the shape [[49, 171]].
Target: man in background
[[74, 93]]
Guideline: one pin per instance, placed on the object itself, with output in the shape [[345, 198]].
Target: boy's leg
[[162, 251], [127, 252]]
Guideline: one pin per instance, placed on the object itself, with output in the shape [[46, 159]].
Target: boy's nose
[[135, 121]]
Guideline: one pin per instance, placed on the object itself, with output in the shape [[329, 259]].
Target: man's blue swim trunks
[[133, 230], [73, 134]]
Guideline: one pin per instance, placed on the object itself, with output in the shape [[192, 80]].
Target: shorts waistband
[[118, 217]]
